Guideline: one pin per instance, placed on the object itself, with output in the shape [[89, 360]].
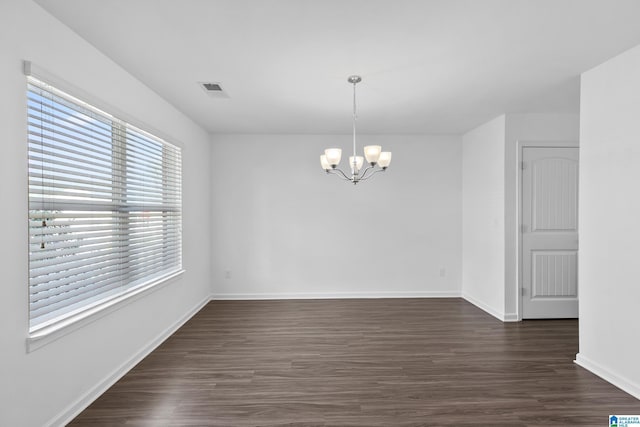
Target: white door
[[549, 232]]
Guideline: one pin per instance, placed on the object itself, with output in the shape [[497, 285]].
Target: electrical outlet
[[443, 272], [227, 274]]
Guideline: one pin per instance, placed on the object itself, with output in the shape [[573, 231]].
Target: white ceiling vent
[[213, 89]]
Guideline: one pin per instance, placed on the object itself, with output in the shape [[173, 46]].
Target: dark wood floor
[[385, 362]]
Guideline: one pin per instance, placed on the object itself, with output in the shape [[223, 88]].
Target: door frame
[[521, 145]]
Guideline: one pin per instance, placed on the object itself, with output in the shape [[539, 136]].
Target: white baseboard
[[335, 295], [604, 373], [508, 317], [84, 401], [511, 317], [484, 307]]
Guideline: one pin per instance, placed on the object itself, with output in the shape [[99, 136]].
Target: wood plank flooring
[[375, 362]]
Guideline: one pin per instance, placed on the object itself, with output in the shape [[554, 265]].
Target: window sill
[[50, 333]]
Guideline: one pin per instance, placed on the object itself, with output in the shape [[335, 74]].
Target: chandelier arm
[[365, 172], [341, 174], [371, 174]]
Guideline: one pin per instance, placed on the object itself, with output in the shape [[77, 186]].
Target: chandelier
[[377, 159]]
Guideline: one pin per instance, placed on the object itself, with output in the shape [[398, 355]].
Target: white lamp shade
[[385, 159], [372, 152], [333, 155], [358, 163], [324, 162]]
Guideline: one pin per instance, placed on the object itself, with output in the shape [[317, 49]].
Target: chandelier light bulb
[[371, 153], [385, 159], [333, 156], [356, 163], [324, 162]]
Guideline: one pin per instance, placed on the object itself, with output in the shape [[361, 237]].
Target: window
[[104, 207]]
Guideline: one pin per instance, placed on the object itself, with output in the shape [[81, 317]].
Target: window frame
[[52, 330]]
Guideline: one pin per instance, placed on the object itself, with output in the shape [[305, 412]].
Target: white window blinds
[[104, 206]]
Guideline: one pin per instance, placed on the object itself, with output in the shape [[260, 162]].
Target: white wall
[[483, 200], [52, 382], [609, 270], [284, 229], [526, 127]]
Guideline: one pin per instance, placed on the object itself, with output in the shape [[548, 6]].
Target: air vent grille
[[215, 87]]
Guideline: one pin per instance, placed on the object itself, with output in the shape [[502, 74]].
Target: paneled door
[[549, 231]]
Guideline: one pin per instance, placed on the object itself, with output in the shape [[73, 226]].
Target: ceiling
[[428, 66]]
